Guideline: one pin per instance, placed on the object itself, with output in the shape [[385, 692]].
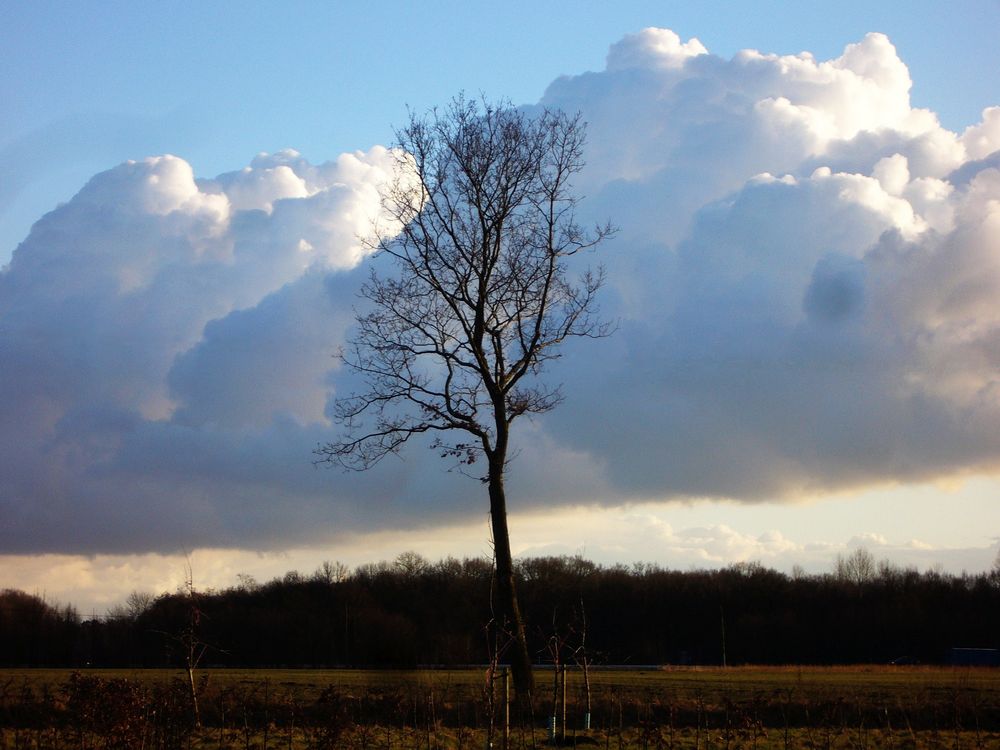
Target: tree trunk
[[194, 696], [510, 611]]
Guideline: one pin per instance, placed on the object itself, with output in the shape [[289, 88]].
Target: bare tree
[[137, 603], [583, 660], [858, 568], [451, 346], [331, 572], [190, 640], [411, 563]]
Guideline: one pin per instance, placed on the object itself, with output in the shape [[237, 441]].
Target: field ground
[[739, 707]]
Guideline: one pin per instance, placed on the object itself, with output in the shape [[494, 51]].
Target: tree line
[[412, 611]]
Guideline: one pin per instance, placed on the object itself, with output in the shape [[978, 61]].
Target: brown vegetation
[[861, 707]]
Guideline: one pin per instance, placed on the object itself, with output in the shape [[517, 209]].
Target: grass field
[[742, 707]]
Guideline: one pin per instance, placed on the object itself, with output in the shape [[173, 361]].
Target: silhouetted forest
[[412, 611]]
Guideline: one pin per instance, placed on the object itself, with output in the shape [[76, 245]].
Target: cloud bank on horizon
[[806, 280]]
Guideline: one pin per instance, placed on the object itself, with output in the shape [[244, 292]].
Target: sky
[[805, 285]]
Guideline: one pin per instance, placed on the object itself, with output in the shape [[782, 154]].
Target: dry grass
[[743, 707]]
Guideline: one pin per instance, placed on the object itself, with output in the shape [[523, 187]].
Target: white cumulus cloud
[[806, 282]]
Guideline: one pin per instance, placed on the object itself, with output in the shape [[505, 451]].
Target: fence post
[[562, 733], [506, 709]]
